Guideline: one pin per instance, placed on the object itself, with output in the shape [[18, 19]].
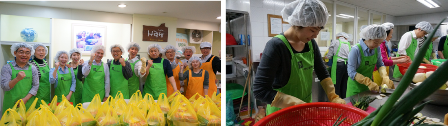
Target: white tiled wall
[[258, 19]]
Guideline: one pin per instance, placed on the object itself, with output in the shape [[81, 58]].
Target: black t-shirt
[[441, 44], [166, 66], [216, 64], [275, 68]]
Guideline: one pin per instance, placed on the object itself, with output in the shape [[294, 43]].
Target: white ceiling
[[192, 10], [399, 7]]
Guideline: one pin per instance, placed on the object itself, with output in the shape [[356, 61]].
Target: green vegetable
[[362, 102], [337, 123]]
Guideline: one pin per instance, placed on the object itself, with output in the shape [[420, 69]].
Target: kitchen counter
[[430, 110]]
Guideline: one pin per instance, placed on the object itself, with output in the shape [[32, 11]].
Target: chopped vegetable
[[419, 77], [362, 102]]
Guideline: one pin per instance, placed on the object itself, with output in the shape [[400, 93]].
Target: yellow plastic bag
[[62, 106], [119, 106], [32, 107], [43, 117], [194, 97], [20, 108], [54, 103], [69, 117], [86, 118], [155, 116], [199, 103], [94, 105], [172, 96], [149, 99], [133, 117], [11, 118], [163, 103], [106, 108], [209, 114], [108, 117], [136, 97], [216, 98], [119, 97], [179, 98], [182, 114]]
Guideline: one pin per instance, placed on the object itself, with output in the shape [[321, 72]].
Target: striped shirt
[[40, 65]]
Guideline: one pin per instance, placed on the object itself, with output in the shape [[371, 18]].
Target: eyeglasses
[[169, 52], [116, 51], [206, 48], [40, 50], [24, 53]]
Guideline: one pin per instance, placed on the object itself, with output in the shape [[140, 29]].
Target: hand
[[388, 82], [21, 75], [149, 63], [81, 61], [177, 61], [185, 65], [338, 100], [122, 62], [92, 57], [182, 89], [56, 65], [25, 100], [69, 96], [181, 67], [104, 99]]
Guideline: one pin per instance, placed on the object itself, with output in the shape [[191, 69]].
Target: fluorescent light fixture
[[122, 5], [345, 16], [429, 3], [218, 17]]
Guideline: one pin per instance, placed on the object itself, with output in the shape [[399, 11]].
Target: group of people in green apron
[[285, 73]]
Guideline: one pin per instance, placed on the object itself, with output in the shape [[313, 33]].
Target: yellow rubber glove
[[282, 100], [426, 61], [143, 69], [328, 86], [383, 73], [367, 81]]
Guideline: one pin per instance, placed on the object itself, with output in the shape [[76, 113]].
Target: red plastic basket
[[314, 114], [404, 67]]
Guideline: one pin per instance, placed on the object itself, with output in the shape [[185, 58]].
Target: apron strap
[[282, 37]]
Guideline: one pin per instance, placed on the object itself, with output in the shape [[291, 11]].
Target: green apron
[[94, 84], [133, 82], [409, 52], [429, 52], [300, 79], [365, 68], [79, 86], [20, 90], [445, 48], [155, 82], [44, 84], [335, 60], [64, 84], [119, 83]]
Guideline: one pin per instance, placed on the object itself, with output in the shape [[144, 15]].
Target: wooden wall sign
[[155, 33]]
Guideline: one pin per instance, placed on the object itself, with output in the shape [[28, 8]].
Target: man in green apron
[[409, 45], [285, 74], [120, 70], [42, 66], [63, 78], [362, 60], [339, 50], [97, 79], [443, 47], [138, 70], [156, 70], [431, 53], [19, 79], [76, 64]]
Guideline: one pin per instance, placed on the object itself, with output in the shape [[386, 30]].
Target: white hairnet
[[156, 46], [305, 13], [15, 47], [74, 50], [192, 59], [39, 44], [168, 47], [192, 48], [425, 26], [437, 34], [373, 31], [388, 26], [362, 27], [133, 44], [205, 44], [119, 46], [343, 34], [96, 48], [59, 53]]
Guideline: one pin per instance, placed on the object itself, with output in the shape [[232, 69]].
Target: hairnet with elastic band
[[15, 47], [193, 58], [192, 48], [305, 13], [59, 53], [425, 26], [133, 44], [168, 47], [156, 46], [39, 44], [205, 44], [96, 48], [119, 46], [362, 27], [373, 32], [388, 26], [74, 50], [343, 34]]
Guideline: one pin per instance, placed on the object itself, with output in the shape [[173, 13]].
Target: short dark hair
[[388, 31], [300, 27]]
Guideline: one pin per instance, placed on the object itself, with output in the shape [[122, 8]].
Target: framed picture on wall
[[85, 36]]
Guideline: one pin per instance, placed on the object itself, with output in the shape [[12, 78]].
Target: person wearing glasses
[[120, 70], [210, 63], [170, 53], [43, 70], [19, 79]]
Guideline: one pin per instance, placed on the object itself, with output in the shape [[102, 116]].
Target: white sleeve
[[405, 41]]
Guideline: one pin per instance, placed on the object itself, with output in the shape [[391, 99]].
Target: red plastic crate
[[403, 67]]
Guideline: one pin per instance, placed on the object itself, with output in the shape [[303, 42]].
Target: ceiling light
[[429, 3], [122, 5], [345, 16], [218, 17]]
